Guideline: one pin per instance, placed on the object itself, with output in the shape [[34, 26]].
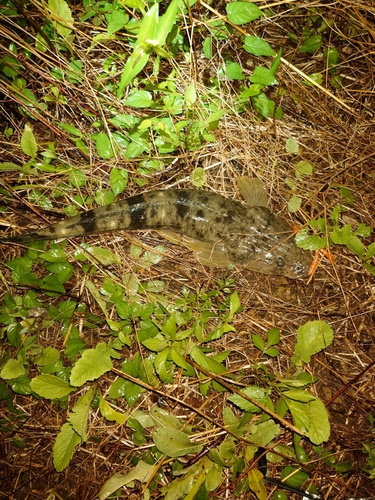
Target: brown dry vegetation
[[336, 135]]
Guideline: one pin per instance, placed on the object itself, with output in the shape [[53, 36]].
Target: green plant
[[322, 233]]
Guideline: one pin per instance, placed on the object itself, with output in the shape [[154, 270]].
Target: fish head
[[268, 246]]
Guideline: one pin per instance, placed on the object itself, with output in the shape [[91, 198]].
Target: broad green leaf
[[77, 178], [256, 483], [315, 77], [206, 362], [50, 387], [140, 99], [265, 432], [66, 442], [13, 368], [213, 479], [273, 336], [103, 146], [299, 395], [188, 484], [263, 76], [331, 56], [291, 146], [258, 341], [93, 364], [294, 204], [70, 129], [234, 71], [198, 177], [164, 418], [109, 413], [118, 179], [55, 254], [174, 443], [28, 142], [242, 12], [294, 477], [141, 472], [300, 414], [255, 393], [103, 255], [116, 21], [257, 46], [62, 16], [303, 168], [319, 430], [190, 95], [313, 242], [166, 22], [47, 356], [312, 337], [312, 44], [79, 416]]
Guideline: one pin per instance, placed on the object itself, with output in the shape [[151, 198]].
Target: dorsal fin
[[252, 189]]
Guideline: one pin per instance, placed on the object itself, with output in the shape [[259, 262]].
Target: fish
[[220, 231]]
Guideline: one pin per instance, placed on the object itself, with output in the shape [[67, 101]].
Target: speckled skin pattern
[[229, 232]]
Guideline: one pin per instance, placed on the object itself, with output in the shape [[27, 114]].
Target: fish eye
[[280, 262]]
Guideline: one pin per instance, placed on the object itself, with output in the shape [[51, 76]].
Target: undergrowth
[[141, 110]]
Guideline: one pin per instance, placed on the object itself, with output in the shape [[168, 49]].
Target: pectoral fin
[[252, 189], [207, 253]]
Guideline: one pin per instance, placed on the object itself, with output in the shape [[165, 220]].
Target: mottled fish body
[[220, 231]]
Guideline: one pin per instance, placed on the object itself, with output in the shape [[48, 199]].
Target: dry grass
[[336, 137]]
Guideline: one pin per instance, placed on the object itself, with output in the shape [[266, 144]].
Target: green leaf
[[258, 341], [140, 99], [116, 21], [93, 364], [50, 387], [214, 477], [206, 362], [291, 146], [315, 77], [118, 179], [263, 76], [198, 177], [234, 71], [273, 336], [48, 356], [62, 16], [242, 12], [256, 484], [331, 56], [141, 472], [174, 443], [319, 430], [109, 413], [312, 337], [103, 255], [253, 392], [294, 204], [190, 95], [103, 146], [257, 46], [207, 47], [66, 442], [28, 142], [13, 368], [312, 44], [294, 477], [79, 416], [77, 178], [56, 254], [299, 395]]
